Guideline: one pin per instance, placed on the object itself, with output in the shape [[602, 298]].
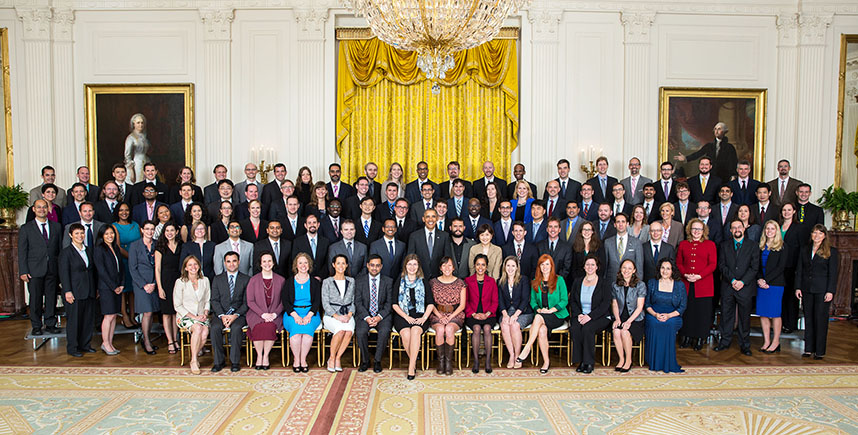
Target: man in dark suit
[[783, 186], [242, 210], [351, 205], [368, 228], [404, 225], [77, 275], [228, 307], [457, 203], [277, 209], [105, 207], [474, 220], [518, 171], [148, 208], [618, 203], [177, 209], [426, 201], [685, 209], [120, 175], [479, 185], [720, 151], [807, 214], [282, 250], [461, 248], [373, 310], [650, 204], [559, 250], [589, 208], [569, 188], [390, 249], [314, 245], [271, 191], [554, 203], [38, 251], [92, 191], [371, 171], [76, 197], [430, 245], [150, 173], [354, 251], [413, 189], [704, 186], [446, 188], [292, 222], [226, 193], [765, 209], [738, 261], [250, 173], [503, 227], [602, 183], [655, 250], [570, 226], [336, 188], [725, 210], [211, 192], [744, 187], [387, 207], [704, 213], [330, 223], [91, 226], [525, 251], [605, 223], [536, 228], [665, 187]]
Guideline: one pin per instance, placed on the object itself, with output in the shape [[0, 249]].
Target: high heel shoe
[[172, 348], [143, 346], [777, 350]]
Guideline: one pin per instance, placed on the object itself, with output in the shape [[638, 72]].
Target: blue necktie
[[602, 230], [390, 248], [366, 228], [89, 239], [313, 246], [458, 207]]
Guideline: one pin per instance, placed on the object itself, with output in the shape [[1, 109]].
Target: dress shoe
[[266, 367], [110, 353], [777, 349], [36, 331], [746, 351], [76, 354], [376, 367], [686, 342], [235, 368], [410, 377], [805, 355], [719, 348], [588, 368], [296, 369], [217, 368], [257, 367], [625, 370], [53, 330], [580, 368], [364, 366], [818, 357], [305, 369], [88, 350], [698, 344], [786, 330]]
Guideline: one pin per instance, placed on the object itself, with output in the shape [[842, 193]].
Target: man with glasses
[[390, 249], [503, 227], [234, 244]]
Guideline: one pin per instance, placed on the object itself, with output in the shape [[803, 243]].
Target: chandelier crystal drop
[[435, 29]]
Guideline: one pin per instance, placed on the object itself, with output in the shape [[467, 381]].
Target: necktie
[[428, 205], [236, 247], [563, 189], [336, 226], [313, 246], [351, 251], [762, 212], [634, 186], [294, 225], [336, 189], [89, 240], [552, 247], [372, 189], [667, 191], [518, 251], [277, 251], [703, 184], [569, 226], [458, 206], [505, 229], [373, 298], [112, 204], [655, 253], [744, 185], [801, 214], [399, 223], [551, 207], [122, 190], [366, 228], [390, 249], [45, 231], [430, 242], [536, 228], [646, 208], [602, 227], [603, 183], [231, 286], [618, 209], [620, 247], [783, 189], [441, 225], [150, 209], [586, 209], [723, 214], [474, 224]]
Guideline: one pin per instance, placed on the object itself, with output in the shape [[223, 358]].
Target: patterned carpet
[[705, 400]]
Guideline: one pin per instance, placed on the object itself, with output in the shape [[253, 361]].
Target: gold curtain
[[387, 113]]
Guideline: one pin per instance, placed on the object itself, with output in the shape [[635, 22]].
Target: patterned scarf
[[405, 295]]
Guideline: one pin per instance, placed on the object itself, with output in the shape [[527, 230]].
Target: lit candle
[[254, 155], [582, 154]]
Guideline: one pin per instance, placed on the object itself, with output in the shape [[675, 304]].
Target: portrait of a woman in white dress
[[136, 148]]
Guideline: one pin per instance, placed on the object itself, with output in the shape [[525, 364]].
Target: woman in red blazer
[[481, 310], [265, 309], [697, 259]]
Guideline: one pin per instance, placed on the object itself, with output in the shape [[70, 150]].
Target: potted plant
[[12, 199], [841, 205]]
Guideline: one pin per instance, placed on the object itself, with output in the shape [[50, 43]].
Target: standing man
[[314, 245], [461, 247], [387, 208], [621, 247], [353, 250], [92, 191], [807, 214], [518, 171], [38, 251], [503, 227], [744, 187], [605, 224], [250, 172], [271, 191], [704, 185], [536, 228], [371, 171], [91, 227], [330, 224], [738, 261], [560, 251], [282, 250], [234, 243], [368, 229], [178, 209], [765, 210], [480, 185], [211, 192], [453, 170], [619, 204], [150, 174], [602, 183], [49, 176], [720, 151], [105, 207], [725, 210], [351, 206], [571, 225], [569, 188], [783, 186], [650, 205], [373, 309], [226, 193], [426, 201], [635, 182], [145, 209], [716, 229], [665, 191], [292, 223], [589, 208], [457, 203], [229, 307], [430, 245], [474, 220], [655, 250], [414, 189], [554, 202], [390, 249], [336, 188], [119, 174], [685, 209], [77, 275], [77, 196]]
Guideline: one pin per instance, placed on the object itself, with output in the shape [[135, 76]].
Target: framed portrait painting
[[133, 124], [727, 125]]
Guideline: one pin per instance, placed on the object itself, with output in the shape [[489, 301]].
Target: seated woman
[[627, 305], [665, 303], [338, 301], [548, 297], [192, 301], [265, 309], [589, 305], [514, 305], [302, 302], [414, 304], [481, 310], [448, 291]]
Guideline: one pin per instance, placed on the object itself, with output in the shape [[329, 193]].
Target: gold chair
[[395, 339], [497, 344], [185, 343], [283, 346], [429, 346], [357, 355], [563, 341], [323, 346], [639, 347]]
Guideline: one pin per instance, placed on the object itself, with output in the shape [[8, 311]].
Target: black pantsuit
[[584, 336], [815, 322], [816, 277], [78, 278]]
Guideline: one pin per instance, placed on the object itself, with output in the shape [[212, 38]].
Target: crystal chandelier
[[435, 29]]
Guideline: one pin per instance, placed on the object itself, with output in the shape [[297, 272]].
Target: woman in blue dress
[[665, 303], [127, 232], [770, 285], [302, 301]]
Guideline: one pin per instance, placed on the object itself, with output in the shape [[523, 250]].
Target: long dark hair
[[161, 244], [633, 282], [100, 238]]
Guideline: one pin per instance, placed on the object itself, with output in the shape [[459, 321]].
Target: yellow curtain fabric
[[387, 113]]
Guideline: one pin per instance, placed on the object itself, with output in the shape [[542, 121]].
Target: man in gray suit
[[622, 242], [38, 252], [229, 306], [49, 176], [250, 171], [390, 249], [243, 248], [373, 309], [460, 247], [353, 250], [430, 254], [90, 225], [635, 182], [571, 225]]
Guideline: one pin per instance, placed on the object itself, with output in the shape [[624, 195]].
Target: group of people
[[637, 257]]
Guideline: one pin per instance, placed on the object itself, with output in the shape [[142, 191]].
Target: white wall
[[264, 75]]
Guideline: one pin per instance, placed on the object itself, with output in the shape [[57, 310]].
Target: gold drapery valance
[[386, 112]]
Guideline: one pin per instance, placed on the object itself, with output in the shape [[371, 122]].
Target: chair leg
[[182, 345]]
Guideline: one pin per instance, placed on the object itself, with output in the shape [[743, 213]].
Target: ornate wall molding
[[311, 24], [218, 23], [545, 24], [637, 26], [787, 25], [36, 23], [62, 23], [812, 28]]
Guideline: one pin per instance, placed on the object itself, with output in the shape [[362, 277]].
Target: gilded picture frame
[[8, 164], [687, 117], [112, 135], [847, 115]]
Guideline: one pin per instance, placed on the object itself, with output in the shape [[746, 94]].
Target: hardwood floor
[[14, 350]]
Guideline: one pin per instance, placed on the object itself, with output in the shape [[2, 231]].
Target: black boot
[[698, 344], [442, 357], [686, 341]]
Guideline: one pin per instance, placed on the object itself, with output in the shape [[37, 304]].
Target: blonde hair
[[526, 184], [688, 230], [777, 241], [505, 278]]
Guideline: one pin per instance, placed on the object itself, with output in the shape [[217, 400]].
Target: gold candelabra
[[263, 171], [589, 170]]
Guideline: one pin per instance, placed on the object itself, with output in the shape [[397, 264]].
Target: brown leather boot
[[442, 358], [448, 369]]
